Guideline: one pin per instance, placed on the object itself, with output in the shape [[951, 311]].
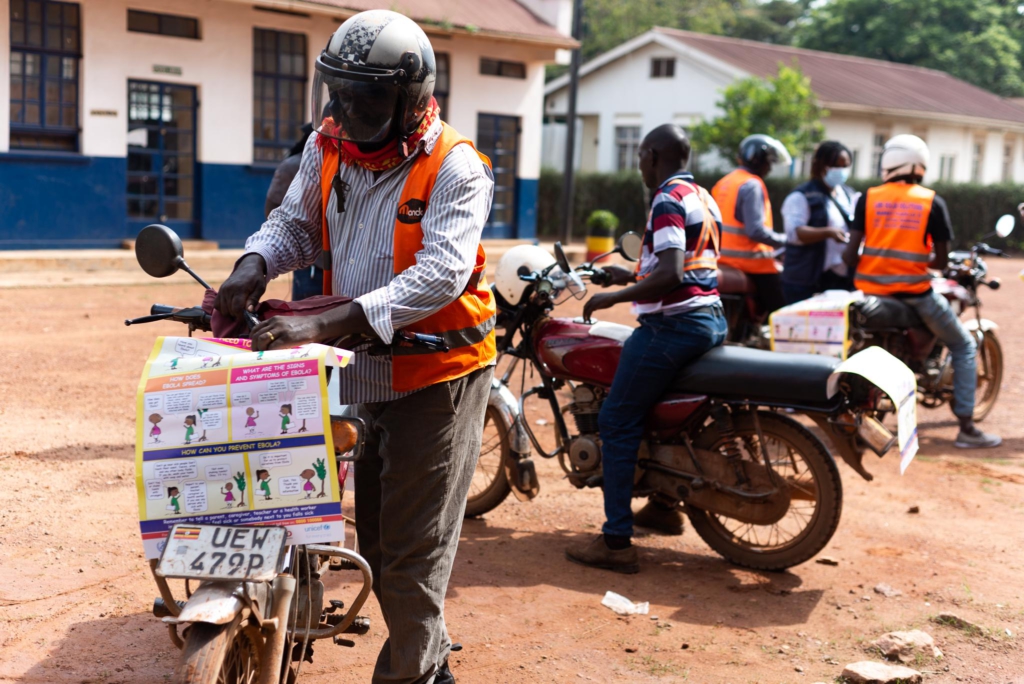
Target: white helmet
[[520, 260], [904, 155]]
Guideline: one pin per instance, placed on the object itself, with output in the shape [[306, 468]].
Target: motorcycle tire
[[490, 486], [219, 654], [828, 497], [990, 376]]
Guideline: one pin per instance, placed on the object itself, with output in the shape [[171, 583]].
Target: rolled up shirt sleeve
[[452, 225], [796, 212], [750, 207], [291, 236]]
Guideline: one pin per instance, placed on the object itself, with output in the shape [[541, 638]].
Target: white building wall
[[858, 134], [220, 66], [992, 169]]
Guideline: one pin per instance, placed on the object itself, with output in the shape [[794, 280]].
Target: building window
[[443, 82], [627, 145], [497, 67], [45, 53], [279, 93], [854, 156], [663, 67], [1008, 159], [876, 152], [977, 162], [163, 24], [947, 167]]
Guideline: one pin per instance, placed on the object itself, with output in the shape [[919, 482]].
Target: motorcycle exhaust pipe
[[875, 435]]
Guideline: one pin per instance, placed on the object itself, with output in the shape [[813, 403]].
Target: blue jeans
[[651, 358], [307, 282], [936, 313]]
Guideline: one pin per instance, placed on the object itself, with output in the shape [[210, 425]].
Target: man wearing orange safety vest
[[393, 201], [900, 223], [749, 241]]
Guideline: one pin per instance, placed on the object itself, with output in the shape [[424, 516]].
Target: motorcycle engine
[[585, 449]]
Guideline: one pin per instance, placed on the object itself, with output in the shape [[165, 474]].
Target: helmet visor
[[357, 111], [778, 154]]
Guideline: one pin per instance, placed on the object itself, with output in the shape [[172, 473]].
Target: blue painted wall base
[[63, 201]]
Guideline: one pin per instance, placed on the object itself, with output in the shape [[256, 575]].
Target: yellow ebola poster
[[229, 436]]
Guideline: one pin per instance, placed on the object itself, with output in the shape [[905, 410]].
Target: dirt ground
[[75, 593]]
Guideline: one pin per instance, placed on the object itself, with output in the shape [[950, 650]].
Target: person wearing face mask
[[817, 217], [395, 201]]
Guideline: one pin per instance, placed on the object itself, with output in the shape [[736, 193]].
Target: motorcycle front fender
[[215, 603], [986, 325], [503, 400]]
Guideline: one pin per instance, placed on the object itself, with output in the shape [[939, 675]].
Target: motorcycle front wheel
[[490, 486], [816, 496], [220, 654]]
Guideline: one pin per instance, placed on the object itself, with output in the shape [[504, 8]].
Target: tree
[[321, 473], [975, 40], [783, 106]]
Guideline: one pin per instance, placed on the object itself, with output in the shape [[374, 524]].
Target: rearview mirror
[[158, 250], [561, 259], [1005, 225], [629, 246], [160, 254]]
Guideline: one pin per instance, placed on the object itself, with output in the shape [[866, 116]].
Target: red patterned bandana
[[387, 157]]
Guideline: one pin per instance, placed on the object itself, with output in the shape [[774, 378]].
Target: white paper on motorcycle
[[209, 552], [228, 436], [819, 325], [893, 377]]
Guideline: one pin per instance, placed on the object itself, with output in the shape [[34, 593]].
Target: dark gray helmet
[[759, 149], [374, 78]]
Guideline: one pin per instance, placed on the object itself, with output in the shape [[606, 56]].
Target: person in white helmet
[[905, 230], [395, 201]]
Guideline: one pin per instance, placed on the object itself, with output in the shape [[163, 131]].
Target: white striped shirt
[[362, 246]]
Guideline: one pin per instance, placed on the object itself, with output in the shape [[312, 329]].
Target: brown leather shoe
[[596, 554], [661, 519]]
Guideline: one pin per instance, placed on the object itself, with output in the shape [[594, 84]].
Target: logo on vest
[[412, 211]]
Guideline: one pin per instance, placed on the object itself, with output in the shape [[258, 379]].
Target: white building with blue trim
[[121, 113]]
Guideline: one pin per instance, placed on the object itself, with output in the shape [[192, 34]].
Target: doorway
[[162, 184], [498, 138]]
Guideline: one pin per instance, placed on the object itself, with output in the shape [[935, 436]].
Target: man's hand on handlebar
[[281, 332], [242, 290], [615, 275]]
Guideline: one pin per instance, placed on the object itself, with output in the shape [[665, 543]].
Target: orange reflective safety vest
[[466, 324], [738, 250], [897, 246]]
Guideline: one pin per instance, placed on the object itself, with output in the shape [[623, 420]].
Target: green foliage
[[975, 40], [602, 222], [973, 208], [321, 468], [783, 107], [240, 481]]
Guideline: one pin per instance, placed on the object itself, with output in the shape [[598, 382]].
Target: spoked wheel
[[220, 654], [490, 486], [816, 496]]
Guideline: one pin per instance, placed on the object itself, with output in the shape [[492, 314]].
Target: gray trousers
[[410, 490]]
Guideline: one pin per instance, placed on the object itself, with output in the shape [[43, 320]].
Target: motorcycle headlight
[[348, 435]]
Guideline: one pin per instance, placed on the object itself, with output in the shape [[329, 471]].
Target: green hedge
[[972, 208]]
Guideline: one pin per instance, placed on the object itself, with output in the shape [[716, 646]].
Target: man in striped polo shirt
[[676, 296]]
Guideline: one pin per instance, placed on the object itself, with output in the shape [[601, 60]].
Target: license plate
[[221, 552]]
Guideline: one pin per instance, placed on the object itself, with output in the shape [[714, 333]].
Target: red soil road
[[76, 593]]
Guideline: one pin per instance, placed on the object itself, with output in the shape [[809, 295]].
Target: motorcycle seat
[[877, 313], [734, 281], [757, 375]]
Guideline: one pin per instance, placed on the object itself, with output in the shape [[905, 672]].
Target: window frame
[[160, 16], [663, 67], [627, 147], [503, 68], [442, 95], [977, 161], [70, 134], [947, 167], [279, 79], [883, 135]]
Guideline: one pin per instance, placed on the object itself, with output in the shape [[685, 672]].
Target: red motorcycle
[[759, 487]]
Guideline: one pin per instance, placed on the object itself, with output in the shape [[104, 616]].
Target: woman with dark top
[[817, 217]]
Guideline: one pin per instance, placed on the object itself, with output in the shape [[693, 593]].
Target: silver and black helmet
[[375, 78]]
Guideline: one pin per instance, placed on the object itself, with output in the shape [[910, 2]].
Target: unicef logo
[[327, 527]]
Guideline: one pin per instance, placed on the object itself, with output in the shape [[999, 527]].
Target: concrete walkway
[[92, 267]]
